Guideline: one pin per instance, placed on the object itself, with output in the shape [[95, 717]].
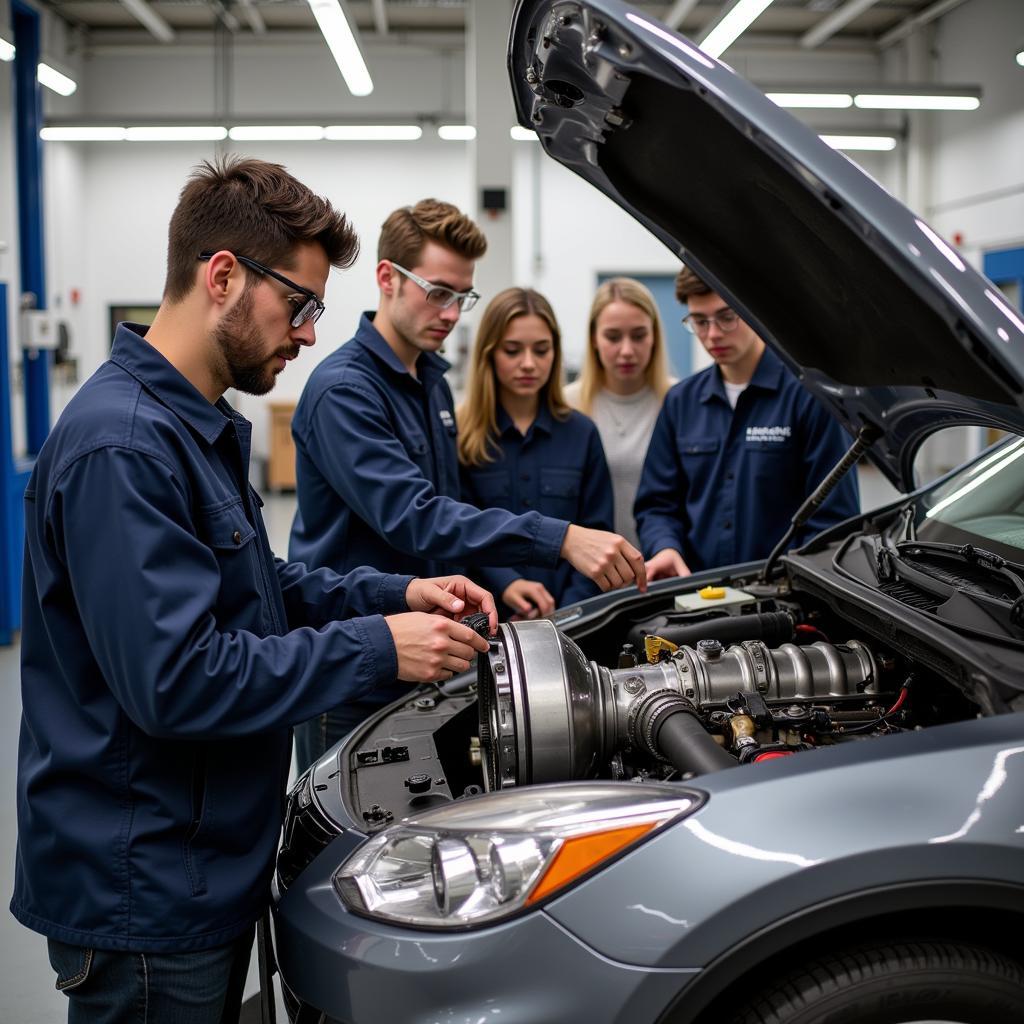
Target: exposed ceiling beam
[[253, 16], [915, 21], [380, 17], [141, 10], [679, 12], [832, 23]]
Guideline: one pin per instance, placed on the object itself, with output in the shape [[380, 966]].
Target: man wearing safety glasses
[[735, 451], [165, 651], [377, 467]]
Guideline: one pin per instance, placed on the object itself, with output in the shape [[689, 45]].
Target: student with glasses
[[375, 435], [166, 652], [735, 451]]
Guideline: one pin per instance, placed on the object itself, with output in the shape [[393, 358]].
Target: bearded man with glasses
[[735, 451], [376, 460]]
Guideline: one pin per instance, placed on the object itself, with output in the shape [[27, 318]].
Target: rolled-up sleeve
[[352, 441], [156, 605]]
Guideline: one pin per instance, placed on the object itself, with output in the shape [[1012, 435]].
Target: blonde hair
[[478, 414], [592, 378]]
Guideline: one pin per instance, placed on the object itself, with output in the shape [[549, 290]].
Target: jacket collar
[[544, 420], [767, 377], [135, 355], [430, 367]]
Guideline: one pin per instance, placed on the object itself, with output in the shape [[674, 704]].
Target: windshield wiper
[[988, 561]]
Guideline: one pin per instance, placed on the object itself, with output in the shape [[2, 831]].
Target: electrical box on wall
[[38, 329]]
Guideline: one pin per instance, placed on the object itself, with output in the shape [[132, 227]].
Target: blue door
[[1005, 267], [678, 340]]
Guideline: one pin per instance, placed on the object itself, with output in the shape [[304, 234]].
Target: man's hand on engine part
[[432, 648], [454, 596], [529, 599], [666, 563], [606, 558]]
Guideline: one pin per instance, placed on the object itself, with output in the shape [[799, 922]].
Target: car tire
[[896, 983]]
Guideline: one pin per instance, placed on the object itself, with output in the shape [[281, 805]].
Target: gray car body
[[873, 837]]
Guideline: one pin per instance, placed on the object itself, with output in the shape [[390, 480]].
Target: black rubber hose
[[688, 747], [772, 627]]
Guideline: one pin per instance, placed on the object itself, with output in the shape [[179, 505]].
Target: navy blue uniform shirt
[[165, 653], [721, 485], [378, 472], [557, 468]]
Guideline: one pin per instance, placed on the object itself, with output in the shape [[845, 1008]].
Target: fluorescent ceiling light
[[373, 132], [53, 79], [177, 133], [523, 134], [82, 134], [734, 24], [895, 101], [7, 50], [1020, 58], [876, 143], [276, 133], [456, 132], [832, 100], [340, 38]]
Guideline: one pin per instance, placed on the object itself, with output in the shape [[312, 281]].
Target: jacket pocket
[[241, 600], [560, 493], [200, 817], [699, 457]]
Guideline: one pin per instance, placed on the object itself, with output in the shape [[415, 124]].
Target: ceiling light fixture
[[732, 25], [176, 133], [340, 37], [919, 101], [456, 132], [276, 133], [870, 143], [523, 134], [373, 132], [1020, 58], [76, 133], [7, 50], [55, 80], [823, 100]]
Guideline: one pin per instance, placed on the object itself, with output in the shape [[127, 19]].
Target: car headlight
[[482, 860]]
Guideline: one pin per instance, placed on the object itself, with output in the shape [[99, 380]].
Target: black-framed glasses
[[438, 295], [727, 321], [305, 303]]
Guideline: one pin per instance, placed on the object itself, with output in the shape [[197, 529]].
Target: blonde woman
[[623, 384], [522, 448]]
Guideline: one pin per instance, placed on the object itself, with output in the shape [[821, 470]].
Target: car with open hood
[[788, 792]]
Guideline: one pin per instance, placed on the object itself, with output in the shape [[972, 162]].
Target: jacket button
[[237, 536]]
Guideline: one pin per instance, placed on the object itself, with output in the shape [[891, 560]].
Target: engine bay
[[666, 686]]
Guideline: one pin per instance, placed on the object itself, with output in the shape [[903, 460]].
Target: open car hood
[[876, 314]]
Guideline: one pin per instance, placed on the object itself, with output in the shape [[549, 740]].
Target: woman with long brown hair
[[521, 447], [623, 384]]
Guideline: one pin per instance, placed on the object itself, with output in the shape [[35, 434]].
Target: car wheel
[[896, 983]]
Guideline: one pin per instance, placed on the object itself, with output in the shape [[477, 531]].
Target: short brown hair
[[408, 229], [688, 283], [254, 208]]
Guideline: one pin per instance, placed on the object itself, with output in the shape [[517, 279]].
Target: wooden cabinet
[[281, 462]]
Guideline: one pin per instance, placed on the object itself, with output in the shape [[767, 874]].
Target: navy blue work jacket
[[720, 486], [557, 468], [165, 654], [378, 472]]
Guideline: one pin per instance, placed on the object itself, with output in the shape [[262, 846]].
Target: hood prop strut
[[866, 437]]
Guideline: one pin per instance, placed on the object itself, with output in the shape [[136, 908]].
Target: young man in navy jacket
[[376, 459], [165, 651], [735, 451]]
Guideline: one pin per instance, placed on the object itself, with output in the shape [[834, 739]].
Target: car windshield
[[982, 504]]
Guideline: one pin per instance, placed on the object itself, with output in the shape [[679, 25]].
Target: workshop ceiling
[[441, 23]]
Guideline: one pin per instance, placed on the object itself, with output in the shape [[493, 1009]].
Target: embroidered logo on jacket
[[776, 434], [446, 418]]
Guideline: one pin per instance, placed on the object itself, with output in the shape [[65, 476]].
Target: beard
[[243, 350]]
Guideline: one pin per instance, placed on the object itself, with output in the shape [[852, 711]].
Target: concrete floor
[[27, 994]]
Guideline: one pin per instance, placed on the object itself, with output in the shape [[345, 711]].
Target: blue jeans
[[108, 987], [314, 738]]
